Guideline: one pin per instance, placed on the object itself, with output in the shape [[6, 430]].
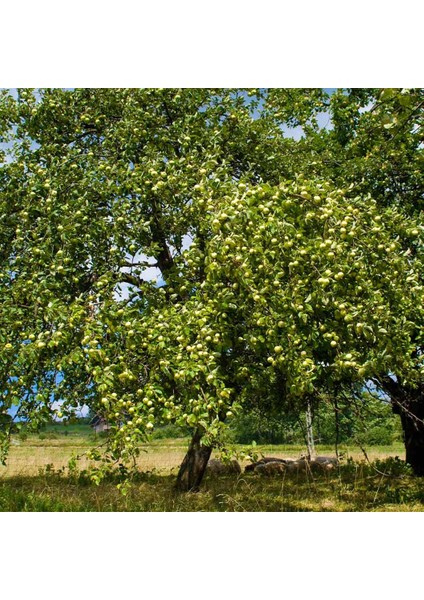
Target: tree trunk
[[408, 402], [412, 417], [309, 431], [193, 466]]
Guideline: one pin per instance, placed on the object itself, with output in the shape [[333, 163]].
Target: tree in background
[[376, 144]]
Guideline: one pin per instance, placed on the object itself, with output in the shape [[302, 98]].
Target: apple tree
[[376, 144], [98, 188], [305, 286], [267, 278]]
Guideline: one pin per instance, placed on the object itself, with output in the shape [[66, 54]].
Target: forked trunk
[[193, 466]]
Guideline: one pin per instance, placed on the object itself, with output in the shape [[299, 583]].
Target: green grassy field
[[36, 478]]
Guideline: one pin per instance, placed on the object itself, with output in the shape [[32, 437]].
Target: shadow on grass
[[384, 485]]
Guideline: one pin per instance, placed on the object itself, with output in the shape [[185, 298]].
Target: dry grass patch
[[27, 457], [37, 479]]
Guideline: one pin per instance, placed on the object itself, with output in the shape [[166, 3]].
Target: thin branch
[[144, 263]]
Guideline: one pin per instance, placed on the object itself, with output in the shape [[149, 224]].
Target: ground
[[36, 478]]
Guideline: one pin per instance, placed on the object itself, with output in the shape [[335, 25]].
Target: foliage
[[368, 422], [263, 429], [374, 422], [285, 268], [170, 431]]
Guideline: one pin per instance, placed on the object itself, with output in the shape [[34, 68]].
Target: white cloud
[[79, 411]]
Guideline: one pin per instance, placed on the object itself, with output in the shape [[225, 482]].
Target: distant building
[[99, 424]]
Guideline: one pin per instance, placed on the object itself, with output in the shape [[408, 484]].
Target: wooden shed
[[99, 424]]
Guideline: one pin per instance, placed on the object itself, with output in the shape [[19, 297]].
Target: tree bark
[[408, 403], [193, 466], [309, 431], [412, 419]]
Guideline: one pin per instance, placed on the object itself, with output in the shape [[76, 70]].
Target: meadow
[[37, 478]]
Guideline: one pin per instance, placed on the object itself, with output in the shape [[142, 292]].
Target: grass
[[37, 479]]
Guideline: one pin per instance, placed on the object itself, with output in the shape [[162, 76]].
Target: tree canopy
[[284, 265]]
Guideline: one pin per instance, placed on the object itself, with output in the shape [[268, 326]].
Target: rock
[[326, 460], [323, 463], [328, 466], [319, 463], [219, 467], [298, 465], [270, 468], [265, 460]]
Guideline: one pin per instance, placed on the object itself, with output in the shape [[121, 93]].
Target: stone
[[271, 468], [219, 467], [262, 461]]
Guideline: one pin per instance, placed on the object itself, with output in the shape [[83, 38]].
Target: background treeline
[[372, 424], [367, 422]]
